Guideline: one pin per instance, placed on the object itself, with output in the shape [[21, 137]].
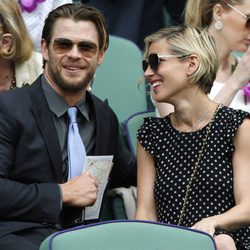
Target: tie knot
[[72, 112]]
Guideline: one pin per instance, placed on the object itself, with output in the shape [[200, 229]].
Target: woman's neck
[[7, 74], [226, 60], [225, 69], [194, 114]]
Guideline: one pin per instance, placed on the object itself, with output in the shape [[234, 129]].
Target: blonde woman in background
[[19, 64], [229, 23], [193, 165]]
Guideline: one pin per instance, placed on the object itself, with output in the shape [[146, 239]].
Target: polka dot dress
[[175, 155]]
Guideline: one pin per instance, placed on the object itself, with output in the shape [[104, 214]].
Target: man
[[37, 198]]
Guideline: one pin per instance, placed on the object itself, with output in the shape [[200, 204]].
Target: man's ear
[[101, 58], [6, 42], [193, 64]]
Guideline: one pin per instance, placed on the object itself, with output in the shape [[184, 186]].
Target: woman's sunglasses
[[154, 60], [64, 45], [242, 14]]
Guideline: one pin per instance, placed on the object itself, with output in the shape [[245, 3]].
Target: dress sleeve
[[146, 134], [235, 119]]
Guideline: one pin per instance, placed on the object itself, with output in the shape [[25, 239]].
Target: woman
[[227, 21], [193, 167], [19, 65]]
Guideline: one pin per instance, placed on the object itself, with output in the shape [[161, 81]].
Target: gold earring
[[4, 51]]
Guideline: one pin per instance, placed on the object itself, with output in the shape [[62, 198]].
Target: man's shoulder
[[98, 103], [19, 96], [101, 107]]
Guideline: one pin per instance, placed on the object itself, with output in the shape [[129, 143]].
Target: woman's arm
[[239, 215], [237, 81], [145, 185]]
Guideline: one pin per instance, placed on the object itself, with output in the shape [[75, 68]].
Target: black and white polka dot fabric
[[175, 154]]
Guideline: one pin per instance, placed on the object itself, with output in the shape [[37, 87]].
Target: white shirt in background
[[239, 100], [35, 20]]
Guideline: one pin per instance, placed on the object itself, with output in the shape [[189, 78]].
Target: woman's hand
[[207, 225], [236, 82], [241, 74]]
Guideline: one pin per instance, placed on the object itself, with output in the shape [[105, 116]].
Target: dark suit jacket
[[31, 162]]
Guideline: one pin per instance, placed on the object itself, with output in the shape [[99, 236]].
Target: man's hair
[[78, 12], [11, 21]]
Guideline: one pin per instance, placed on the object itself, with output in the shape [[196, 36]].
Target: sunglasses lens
[[248, 23], [62, 45], [88, 49], [144, 65], [153, 61]]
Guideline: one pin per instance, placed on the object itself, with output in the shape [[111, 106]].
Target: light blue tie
[[76, 149]]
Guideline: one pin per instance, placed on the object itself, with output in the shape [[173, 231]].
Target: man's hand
[[80, 191]]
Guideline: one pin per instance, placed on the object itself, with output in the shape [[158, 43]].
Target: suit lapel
[[47, 127], [102, 125]]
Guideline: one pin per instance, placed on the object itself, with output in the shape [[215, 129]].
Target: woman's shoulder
[[232, 117], [154, 121], [153, 125], [28, 71], [232, 112]]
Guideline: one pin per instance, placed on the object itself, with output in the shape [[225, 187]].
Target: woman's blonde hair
[[11, 21], [199, 13], [185, 41]]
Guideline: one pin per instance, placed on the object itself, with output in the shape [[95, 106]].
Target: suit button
[[77, 220]]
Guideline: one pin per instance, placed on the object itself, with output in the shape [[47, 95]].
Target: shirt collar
[[57, 103]]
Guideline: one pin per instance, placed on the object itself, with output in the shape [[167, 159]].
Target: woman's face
[[170, 77], [235, 33]]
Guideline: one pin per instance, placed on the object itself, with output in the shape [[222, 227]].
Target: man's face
[[72, 55]]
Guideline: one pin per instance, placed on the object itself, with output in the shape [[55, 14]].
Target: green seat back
[[132, 124], [129, 235], [117, 78]]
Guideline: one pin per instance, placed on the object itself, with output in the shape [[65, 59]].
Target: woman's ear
[[193, 64], [6, 42], [217, 12]]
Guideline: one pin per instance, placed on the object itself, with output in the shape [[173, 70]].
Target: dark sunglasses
[[242, 14], [64, 45], [154, 60]]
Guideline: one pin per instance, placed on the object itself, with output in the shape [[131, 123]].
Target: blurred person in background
[[229, 24], [34, 13], [131, 19], [19, 64]]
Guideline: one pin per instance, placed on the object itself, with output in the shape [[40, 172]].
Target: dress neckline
[[196, 131]]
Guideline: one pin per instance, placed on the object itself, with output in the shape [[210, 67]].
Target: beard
[[71, 85]]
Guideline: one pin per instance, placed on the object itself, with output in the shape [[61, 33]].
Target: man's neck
[[70, 98]]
